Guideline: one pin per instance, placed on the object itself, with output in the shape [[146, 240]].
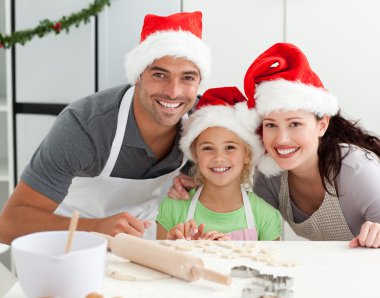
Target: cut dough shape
[[229, 256], [133, 272], [166, 242], [224, 244], [211, 250]]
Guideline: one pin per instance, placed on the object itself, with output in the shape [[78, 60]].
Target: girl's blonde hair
[[246, 173]]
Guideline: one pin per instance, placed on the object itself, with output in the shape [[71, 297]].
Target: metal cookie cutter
[[263, 280], [244, 271], [252, 292], [266, 293], [282, 282]]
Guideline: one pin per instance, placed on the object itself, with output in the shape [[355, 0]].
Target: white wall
[[237, 31], [342, 40], [340, 37], [56, 68]]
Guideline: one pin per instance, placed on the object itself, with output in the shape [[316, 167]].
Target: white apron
[[103, 196], [250, 233]]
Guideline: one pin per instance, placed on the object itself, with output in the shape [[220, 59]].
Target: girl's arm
[[161, 232]]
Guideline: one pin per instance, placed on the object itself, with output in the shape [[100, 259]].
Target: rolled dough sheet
[[125, 270]]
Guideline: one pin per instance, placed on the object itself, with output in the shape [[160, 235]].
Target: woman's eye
[[295, 124], [230, 147]]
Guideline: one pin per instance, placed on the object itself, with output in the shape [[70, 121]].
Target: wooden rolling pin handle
[[211, 275]]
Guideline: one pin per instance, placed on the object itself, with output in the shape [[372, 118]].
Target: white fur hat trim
[[290, 96], [179, 44]]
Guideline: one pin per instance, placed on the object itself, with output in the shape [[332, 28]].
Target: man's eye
[[158, 75], [189, 78]]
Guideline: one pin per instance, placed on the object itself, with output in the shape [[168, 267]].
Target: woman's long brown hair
[[341, 130]]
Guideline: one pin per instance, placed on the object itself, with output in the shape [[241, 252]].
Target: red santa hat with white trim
[[178, 35], [223, 107], [281, 79]]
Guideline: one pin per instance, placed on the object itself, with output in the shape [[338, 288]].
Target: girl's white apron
[[250, 233]]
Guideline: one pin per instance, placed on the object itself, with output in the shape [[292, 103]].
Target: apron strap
[[248, 210], [194, 201], [122, 119]]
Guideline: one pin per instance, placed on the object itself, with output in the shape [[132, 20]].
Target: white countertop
[[325, 269]]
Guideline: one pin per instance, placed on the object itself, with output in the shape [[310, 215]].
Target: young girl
[[321, 171], [219, 137]]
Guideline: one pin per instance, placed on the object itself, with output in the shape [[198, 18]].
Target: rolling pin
[[164, 259]]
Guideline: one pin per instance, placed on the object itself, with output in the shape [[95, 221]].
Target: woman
[[320, 170]]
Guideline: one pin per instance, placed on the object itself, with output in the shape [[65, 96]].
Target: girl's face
[[221, 156], [292, 138]]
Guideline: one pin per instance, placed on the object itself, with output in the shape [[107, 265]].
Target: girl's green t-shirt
[[267, 219]]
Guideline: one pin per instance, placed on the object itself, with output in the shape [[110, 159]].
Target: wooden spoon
[[72, 227]]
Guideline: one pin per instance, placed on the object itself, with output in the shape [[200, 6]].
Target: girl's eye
[[230, 147], [269, 125], [206, 148]]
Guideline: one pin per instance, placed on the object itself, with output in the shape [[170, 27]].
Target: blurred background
[[341, 38]]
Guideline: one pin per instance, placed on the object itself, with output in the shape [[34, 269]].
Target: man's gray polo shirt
[[79, 144]]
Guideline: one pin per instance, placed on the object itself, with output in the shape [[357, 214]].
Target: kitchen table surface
[[324, 269]]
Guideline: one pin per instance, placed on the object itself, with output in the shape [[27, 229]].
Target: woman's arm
[[359, 196], [267, 188], [181, 183]]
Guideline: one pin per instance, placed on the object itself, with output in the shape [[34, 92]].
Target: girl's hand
[[187, 230], [369, 236], [213, 235], [180, 184]]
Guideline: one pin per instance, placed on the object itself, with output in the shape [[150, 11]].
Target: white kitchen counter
[[325, 269]]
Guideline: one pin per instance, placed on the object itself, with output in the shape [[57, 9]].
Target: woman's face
[[292, 138]]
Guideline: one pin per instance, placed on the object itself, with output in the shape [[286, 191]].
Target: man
[[112, 155]]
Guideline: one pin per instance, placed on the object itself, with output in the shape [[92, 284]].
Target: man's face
[[167, 90]]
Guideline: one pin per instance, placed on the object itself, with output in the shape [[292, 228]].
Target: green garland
[[47, 26]]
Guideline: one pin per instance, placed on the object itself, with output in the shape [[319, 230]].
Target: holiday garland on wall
[[46, 26]]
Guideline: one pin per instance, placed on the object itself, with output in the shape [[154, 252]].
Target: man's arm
[[28, 211]]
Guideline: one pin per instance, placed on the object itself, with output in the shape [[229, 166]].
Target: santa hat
[[223, 107], [281, 79], [178, 35]]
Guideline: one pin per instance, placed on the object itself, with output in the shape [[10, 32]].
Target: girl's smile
[[221, 156]]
